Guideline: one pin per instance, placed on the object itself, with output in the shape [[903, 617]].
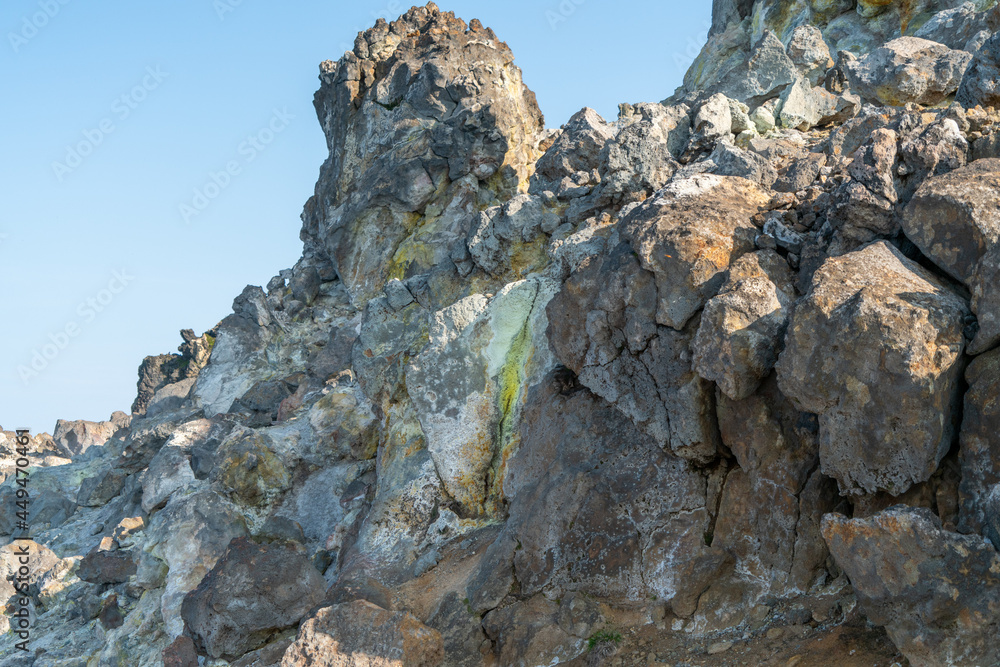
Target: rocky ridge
[[711, 383]]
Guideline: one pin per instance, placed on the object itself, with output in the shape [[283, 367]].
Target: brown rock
[[954, 218], [252, 591], [107, 567], [360, 634], [934, 591], [180, 653], [741, 329], [875, 349], [980, 447], [688, 234]]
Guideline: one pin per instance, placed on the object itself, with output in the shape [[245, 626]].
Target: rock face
[[253, 591], [596, 394], [360, 633], [875, 349], [900, 561]]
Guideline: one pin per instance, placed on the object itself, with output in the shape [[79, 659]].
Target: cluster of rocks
[[725, 363]]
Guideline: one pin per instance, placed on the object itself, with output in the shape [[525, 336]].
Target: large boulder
[[933, 590], [981, 84], [908, 69], [742, 327], [360, 634], [253, 591], [954, 219], [688, 234], [875, 349]]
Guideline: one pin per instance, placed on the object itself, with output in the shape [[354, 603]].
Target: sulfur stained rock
[[908, 69], [467, 385], [933, 590], [360, 633], [954, 219], [743, 326], [248, 470], [875, 349], [252, 591]]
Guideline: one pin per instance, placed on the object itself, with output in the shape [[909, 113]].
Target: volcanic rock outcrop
[[715, 380]]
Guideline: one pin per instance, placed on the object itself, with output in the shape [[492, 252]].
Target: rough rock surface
[[875, 349], [954, 219], [933, 590], [600, 394], [360, 633]]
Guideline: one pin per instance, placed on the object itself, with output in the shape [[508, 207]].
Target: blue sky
[[117, 114]]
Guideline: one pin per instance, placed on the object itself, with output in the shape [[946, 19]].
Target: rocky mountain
[[713, 383]]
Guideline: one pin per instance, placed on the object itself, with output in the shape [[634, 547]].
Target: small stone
[[719, 647], [397, 295]]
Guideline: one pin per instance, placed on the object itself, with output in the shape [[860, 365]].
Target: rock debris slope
[[711, 383]]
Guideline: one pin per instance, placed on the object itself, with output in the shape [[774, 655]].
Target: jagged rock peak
[[423, 110]]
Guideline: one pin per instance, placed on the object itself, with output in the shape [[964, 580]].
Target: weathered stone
[[248, 470], [980, 451], [530, 633], [954, 27], [908, 69], [742, 327], [809, 53], [642, 157], [953, 218], [502, 229], [761, 77], [865, 208], [189, 535], [732, 161], [762, 521], [580, 510], [577, 148], [981, 84], [603, 328], [875, 349], [170, 468], [418, 105], [75, 437], [180, 653], [362, 634], [252, 591], [97, 490], [986, 301], [933, 590], [683, 237], [107, 567], [801, 173]]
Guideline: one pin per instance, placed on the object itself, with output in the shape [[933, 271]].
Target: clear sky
[[116, 113]]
